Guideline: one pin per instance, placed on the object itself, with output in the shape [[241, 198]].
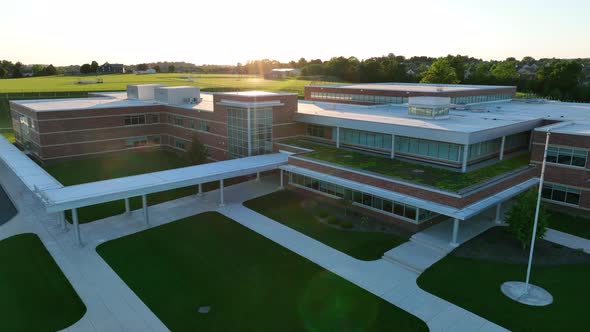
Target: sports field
[[111, 82]]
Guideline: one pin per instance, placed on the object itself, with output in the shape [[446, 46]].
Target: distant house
[[112, 68], [27, 72], [282, 73]]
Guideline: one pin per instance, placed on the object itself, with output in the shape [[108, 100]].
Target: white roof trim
[[81, 195], [446, 210]]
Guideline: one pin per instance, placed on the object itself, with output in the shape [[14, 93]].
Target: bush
[[521, 217], [323, 213], [333, 220], [347, 224]]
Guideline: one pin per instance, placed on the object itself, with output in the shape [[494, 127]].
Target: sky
[[63, 32]]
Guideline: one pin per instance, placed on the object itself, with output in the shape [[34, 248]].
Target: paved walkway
[[567, 240], [112, 306]]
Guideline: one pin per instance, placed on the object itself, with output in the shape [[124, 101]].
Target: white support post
[[127, 206], [200, 192], [221, 201], [77, 238], [282, 175], [465, 157], [392, 146], [146, 216], [337, 137], [417, 219], [454, 242], [62, 219], [502, 147], [498, 219], [257, 176]]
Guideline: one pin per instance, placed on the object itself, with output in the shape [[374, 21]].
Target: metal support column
[[77, 238], [338, 137], [146, 216], [499, 214], [281, 185], [221, 201], [465, 157], [502, 147], [127, 206], [200, 192], [454, 242]]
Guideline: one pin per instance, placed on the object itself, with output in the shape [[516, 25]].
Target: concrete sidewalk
[[112, 305], [567, 240]]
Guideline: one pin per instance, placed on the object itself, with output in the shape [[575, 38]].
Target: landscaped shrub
[[323, 213], [347, 224], [521, 218], [333, 220]]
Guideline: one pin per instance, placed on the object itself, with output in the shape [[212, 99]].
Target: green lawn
[[119, 165], [474, 284], [250, 282], [285, 207], [8, 134], [575, 225], [114, 82], [36, 296], [433, 176]]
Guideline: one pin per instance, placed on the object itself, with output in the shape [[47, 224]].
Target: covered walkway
[[57, 199]]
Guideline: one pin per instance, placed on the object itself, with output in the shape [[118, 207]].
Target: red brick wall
[[438, 197]]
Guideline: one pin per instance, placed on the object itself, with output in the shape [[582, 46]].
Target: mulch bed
[[498, 245]]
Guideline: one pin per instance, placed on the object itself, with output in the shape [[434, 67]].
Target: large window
[[561, 194], [179, 144], [486, 148], [481, 98], [427, 148], [369, 99], [249, 138], [566, 156], [364, 138], [364, 199], [315, 130], [134, 120]]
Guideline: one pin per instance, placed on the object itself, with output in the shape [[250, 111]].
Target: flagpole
[[542, 178]]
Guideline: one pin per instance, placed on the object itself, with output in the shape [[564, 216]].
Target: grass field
[[119, 82], [249, 282], [119, 165], [474, 284], [36, 296], [575, 225], [285, 207]]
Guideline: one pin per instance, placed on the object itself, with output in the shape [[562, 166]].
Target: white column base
[[146, 216], [200, 192], [454, 242]]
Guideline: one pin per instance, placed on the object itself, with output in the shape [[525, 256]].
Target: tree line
[[17, 70]]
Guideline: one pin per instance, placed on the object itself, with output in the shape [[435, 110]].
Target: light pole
[[527, 293]]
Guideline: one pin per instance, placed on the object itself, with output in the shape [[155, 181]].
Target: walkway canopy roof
[[109, 190], [459, 213]]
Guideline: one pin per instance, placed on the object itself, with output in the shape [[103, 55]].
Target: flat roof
[[29, 172], [106, 100], [471, 119], [256, 93], [85, 194], [459, 213], [413, 87], [580, 128]]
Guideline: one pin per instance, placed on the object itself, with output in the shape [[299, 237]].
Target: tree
[[440, 71], [93, 67], [3, 72], [197, 153], [171, 69], [521, 216], [38, 70], [17, 70], [85, 68], [156, 68], [142, 66], [505, 72], [50, 70]]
